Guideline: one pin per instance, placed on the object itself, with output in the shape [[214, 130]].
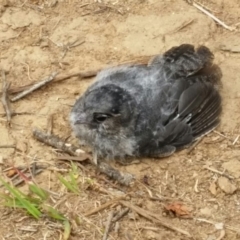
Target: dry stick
[[34, 87], [194, 145], [218, 172], [81, 74], [212, 16], [4, 99], [153, 217], [108, 225], [105, 205], [56, 142], [7, 146], [120, 215], [81, 158], [122, 177], [28, 175], [234, 229], [16, 113]]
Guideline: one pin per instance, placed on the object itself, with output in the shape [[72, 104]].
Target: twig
[[7, 146], [56, 142], [182, 26], [5, 99], [82, 74], [234, 229], [212, 16], [120, 215], [50, 124], [34, 87], [236, 139], [191, 148], [216, 171], [222, 135], [105, 205], [28, 175], [153, 217], [16, 113], [81, 158], [108, 225], [196, 186], [121, 177]]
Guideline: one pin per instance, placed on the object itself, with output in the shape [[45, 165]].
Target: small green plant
[[71, 183], [34, 204]]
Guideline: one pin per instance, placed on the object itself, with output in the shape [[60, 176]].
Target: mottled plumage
[[150, 111]]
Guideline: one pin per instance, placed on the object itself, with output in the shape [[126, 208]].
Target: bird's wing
[[193, 105]]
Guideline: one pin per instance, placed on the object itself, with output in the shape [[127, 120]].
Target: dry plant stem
[[154, 218], [4, 99], [120, 215], [218, 172], [234, 229], [194, 145], [7, 146], [35, 87], [121, 177], [80, 74], [108, 225], [104, 206], [73, 158], [212, 16], [28, 175], [56, 142]]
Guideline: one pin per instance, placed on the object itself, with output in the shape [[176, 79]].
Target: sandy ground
[[34, 35]]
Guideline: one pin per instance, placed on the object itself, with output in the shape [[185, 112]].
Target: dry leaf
[[11, 173], [179, 209]]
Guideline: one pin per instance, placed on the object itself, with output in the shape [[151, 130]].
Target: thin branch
[[82, 74], [212, 16], [154, 218], [108, 225], [56, 142], [218, 172], [232, 228], [5, 99], [104, 206], [34, 87], [7, 146], [120, 215]]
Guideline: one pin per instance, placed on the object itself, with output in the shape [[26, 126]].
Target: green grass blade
[[67, 230], [53, 213], [20, 197], [41, 193], [67, 184]]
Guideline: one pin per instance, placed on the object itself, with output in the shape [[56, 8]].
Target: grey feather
[[153, 110]]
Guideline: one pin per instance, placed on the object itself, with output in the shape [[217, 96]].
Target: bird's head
[[106, 110]]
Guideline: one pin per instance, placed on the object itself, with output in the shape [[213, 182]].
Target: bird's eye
[[100, 117]]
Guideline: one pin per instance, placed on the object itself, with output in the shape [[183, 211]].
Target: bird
[[150, 110]]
